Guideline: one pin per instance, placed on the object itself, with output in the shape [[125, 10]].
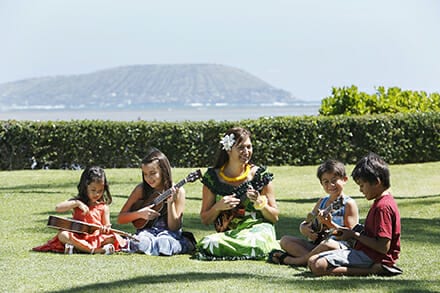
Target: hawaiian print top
[[261, 178]]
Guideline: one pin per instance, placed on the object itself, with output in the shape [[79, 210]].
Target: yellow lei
[[234, 179]]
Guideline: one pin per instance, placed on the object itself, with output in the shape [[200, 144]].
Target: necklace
[[234, 179]]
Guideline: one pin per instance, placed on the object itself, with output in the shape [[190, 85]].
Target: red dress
[[93, 241]]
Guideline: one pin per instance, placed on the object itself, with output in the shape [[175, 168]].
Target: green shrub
[[349, 101]]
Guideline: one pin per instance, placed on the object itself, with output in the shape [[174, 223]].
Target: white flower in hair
[[228, 141]]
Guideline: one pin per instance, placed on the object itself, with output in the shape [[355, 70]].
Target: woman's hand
[[259, 201], [228, 202], [252, 194]]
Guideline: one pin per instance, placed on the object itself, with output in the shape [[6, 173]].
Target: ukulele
[[357, 228], [156, 200], [319, 227], [221, 223], [79, 226]]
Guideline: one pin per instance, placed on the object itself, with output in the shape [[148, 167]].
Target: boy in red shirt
[[377, 248]]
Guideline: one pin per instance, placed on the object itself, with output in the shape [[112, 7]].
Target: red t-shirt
[[383, 220]]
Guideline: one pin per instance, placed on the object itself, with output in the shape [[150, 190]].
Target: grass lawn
[[28, 197]]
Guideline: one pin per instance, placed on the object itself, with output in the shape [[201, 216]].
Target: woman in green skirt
[[238, 198]]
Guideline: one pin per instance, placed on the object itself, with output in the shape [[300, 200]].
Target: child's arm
[[351, 216], [105, 221], [176, 206], [306, 226], [127, 216], [70, 205], [306, 229], [380, 244]]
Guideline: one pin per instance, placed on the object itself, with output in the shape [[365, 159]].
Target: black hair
[[331, 166], [371, 168], [240, 135], [165, 168], [88, 176]]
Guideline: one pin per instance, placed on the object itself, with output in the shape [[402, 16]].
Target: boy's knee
[[329, 245], [317, 265], [311, 262], [284, 240], [287, 241]]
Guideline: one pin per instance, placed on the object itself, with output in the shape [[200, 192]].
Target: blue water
[[196, 113]]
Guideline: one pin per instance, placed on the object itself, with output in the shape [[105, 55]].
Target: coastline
[[189, 113]]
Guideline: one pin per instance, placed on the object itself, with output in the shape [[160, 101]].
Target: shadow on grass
[[31, 187], [394, 285], [433, 196], [421, 230], [310, 201]]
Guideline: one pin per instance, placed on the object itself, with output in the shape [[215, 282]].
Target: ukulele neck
[[168, 192], [332, 205]]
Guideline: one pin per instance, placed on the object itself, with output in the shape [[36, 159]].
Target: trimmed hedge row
[[307, 140]]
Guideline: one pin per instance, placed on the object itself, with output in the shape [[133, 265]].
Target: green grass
[[28, 197]]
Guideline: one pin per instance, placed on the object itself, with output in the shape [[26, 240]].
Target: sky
[[305, 47]]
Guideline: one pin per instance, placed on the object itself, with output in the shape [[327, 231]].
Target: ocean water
[[190, 113]]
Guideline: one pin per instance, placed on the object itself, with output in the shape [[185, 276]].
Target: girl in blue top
[[330, 212]]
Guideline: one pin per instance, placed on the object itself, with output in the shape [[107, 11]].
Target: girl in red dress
[[91, 205]]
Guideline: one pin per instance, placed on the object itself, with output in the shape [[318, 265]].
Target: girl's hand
[[148, 213], [228, 202], [83, 207], [173, 196], [105, 229]]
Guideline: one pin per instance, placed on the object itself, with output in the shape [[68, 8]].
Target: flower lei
[[234, 179], [228, 141]]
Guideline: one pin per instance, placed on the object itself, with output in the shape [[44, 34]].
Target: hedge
[[306, 140]]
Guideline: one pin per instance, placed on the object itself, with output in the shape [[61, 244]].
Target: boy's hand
[[325, 219], [344, 233], [306, 230]]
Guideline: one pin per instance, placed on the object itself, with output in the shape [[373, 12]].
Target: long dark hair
[[88, 176], [240, 135], [165, 168]]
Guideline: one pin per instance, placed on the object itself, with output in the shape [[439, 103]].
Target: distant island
[[142, 86]]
